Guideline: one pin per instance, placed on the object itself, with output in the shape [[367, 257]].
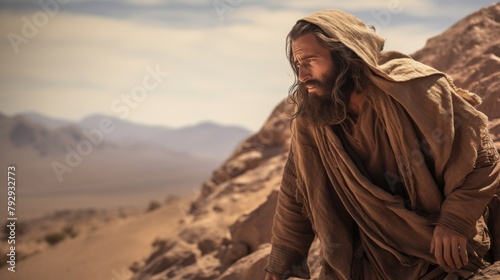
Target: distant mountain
[[23, 131], [46, 121], [125, 132], [104, 161], [206, 140]]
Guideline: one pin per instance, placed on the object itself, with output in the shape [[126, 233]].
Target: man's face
[[316, 80], [315, 66]]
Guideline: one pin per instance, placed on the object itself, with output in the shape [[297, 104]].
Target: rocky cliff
[[225, 233]]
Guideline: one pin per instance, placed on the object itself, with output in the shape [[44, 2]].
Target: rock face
[[227, 228]]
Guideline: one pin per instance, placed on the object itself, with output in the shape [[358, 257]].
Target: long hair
[[350, 72]]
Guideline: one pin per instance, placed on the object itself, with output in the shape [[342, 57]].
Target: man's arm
[[460, 211], [292, 231]]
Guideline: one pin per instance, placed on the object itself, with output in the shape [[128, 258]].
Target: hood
[[357, 36], [391, 66]]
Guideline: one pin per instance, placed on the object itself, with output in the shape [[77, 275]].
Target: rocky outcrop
[[272, 140], [227, 230], [252, 229], [249, 267], [229, 222], [490, 273]]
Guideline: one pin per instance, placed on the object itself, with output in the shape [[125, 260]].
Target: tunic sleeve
[[463, 207], [292, 231]]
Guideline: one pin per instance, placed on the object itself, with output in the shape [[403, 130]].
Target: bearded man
[[390, 166]]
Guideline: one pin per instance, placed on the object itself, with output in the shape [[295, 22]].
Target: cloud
[[76, 54], [231, 70]]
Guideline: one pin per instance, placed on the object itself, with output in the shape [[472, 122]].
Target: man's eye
[[309, 60]]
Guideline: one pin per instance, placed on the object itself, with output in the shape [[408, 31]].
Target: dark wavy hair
[[350, 72]]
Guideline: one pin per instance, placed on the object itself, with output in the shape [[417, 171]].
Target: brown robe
[[446, 173]]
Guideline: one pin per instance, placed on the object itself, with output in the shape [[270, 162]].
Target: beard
[[323, 108]]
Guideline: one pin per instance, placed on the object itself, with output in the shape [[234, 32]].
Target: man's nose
[[304, 74]]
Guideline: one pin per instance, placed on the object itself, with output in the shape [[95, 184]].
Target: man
[[390, 165]]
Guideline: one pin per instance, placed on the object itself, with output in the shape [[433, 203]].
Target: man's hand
[[272, 277], [449, 247]]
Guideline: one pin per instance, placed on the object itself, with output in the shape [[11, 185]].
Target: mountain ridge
[[102, 158], [207, 139]]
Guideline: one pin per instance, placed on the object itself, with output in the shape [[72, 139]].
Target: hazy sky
[[177, 62]]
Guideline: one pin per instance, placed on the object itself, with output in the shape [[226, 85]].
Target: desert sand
[[103, 253]]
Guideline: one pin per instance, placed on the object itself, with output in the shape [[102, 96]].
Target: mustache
[[313, 83]]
